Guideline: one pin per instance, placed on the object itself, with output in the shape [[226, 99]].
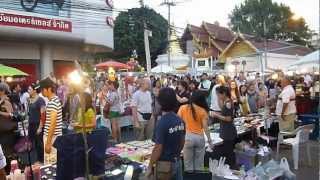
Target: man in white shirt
[[286, 107], [3, 164], [142, 111], [215, 105]]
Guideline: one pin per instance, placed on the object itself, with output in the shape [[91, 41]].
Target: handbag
[[146, 116], [24, 144], [163, 170]]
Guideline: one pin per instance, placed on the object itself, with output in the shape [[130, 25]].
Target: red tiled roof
[[219, 32], [274, 44]]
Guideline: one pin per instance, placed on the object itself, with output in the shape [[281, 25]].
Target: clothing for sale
[[169, 132], [54, 105], [71, 154]]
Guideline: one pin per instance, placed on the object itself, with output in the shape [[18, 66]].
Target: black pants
[[224, 150], [37, 140]]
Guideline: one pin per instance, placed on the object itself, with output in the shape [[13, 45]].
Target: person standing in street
[[228, 130], [165, 162], [195, 116], [53, 124], [36, 112], [215, 102], [142, 110], [286, 106], [113, 100]]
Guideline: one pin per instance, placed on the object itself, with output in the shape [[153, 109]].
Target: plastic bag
[[288, 174]]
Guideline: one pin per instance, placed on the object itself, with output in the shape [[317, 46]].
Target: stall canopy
[[162, 68], [310, 61], [113, 64], [10, 71]]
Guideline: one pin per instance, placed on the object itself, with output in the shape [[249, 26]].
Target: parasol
[[113, 64], [10, 71]]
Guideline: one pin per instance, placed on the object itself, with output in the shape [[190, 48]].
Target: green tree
[[250, 17], [128, 33]]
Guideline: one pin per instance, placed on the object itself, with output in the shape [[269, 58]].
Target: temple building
[[205, 44]]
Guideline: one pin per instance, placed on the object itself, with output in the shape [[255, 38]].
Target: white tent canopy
[[310, 61], [162, 68]]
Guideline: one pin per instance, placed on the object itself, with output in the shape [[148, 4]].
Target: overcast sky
[[196, 11]]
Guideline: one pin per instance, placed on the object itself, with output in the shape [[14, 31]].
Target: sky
[[196, 11]]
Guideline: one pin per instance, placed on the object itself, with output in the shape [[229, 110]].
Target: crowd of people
[[173, 111]]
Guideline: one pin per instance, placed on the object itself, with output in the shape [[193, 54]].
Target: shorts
[[114, 114]]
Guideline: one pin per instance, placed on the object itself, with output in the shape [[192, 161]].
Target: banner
[[35, 22]]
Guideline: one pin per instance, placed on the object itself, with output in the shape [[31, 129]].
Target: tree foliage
[[250, 17], [129, 33]]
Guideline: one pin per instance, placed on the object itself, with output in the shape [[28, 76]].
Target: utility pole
[[146, 34], [169, 4]]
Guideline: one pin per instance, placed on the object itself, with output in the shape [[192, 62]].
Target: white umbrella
[[162, 68]]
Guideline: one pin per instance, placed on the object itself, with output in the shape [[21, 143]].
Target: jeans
[[177, 170], [193, 152]]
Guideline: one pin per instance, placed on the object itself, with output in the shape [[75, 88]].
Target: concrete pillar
[[46, 61]]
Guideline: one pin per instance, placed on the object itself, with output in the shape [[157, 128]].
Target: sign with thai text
[[35, 22]]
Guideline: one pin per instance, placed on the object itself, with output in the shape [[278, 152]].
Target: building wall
[[49, 34], [87, 26]]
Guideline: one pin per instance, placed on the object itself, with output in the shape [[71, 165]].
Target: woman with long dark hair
[[228, 131], [235, 95], [195, 116], [244, 106]]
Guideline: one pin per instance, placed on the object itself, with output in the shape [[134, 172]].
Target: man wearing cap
[[36, 119], [53, 124], [286, 107]]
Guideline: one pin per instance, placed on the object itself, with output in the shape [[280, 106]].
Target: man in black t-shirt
[[169, 139]]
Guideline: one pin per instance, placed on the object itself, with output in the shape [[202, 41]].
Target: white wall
[[274, 61], [8, 50]]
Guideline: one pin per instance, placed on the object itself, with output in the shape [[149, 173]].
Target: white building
[[42, 37], [246, 53]]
